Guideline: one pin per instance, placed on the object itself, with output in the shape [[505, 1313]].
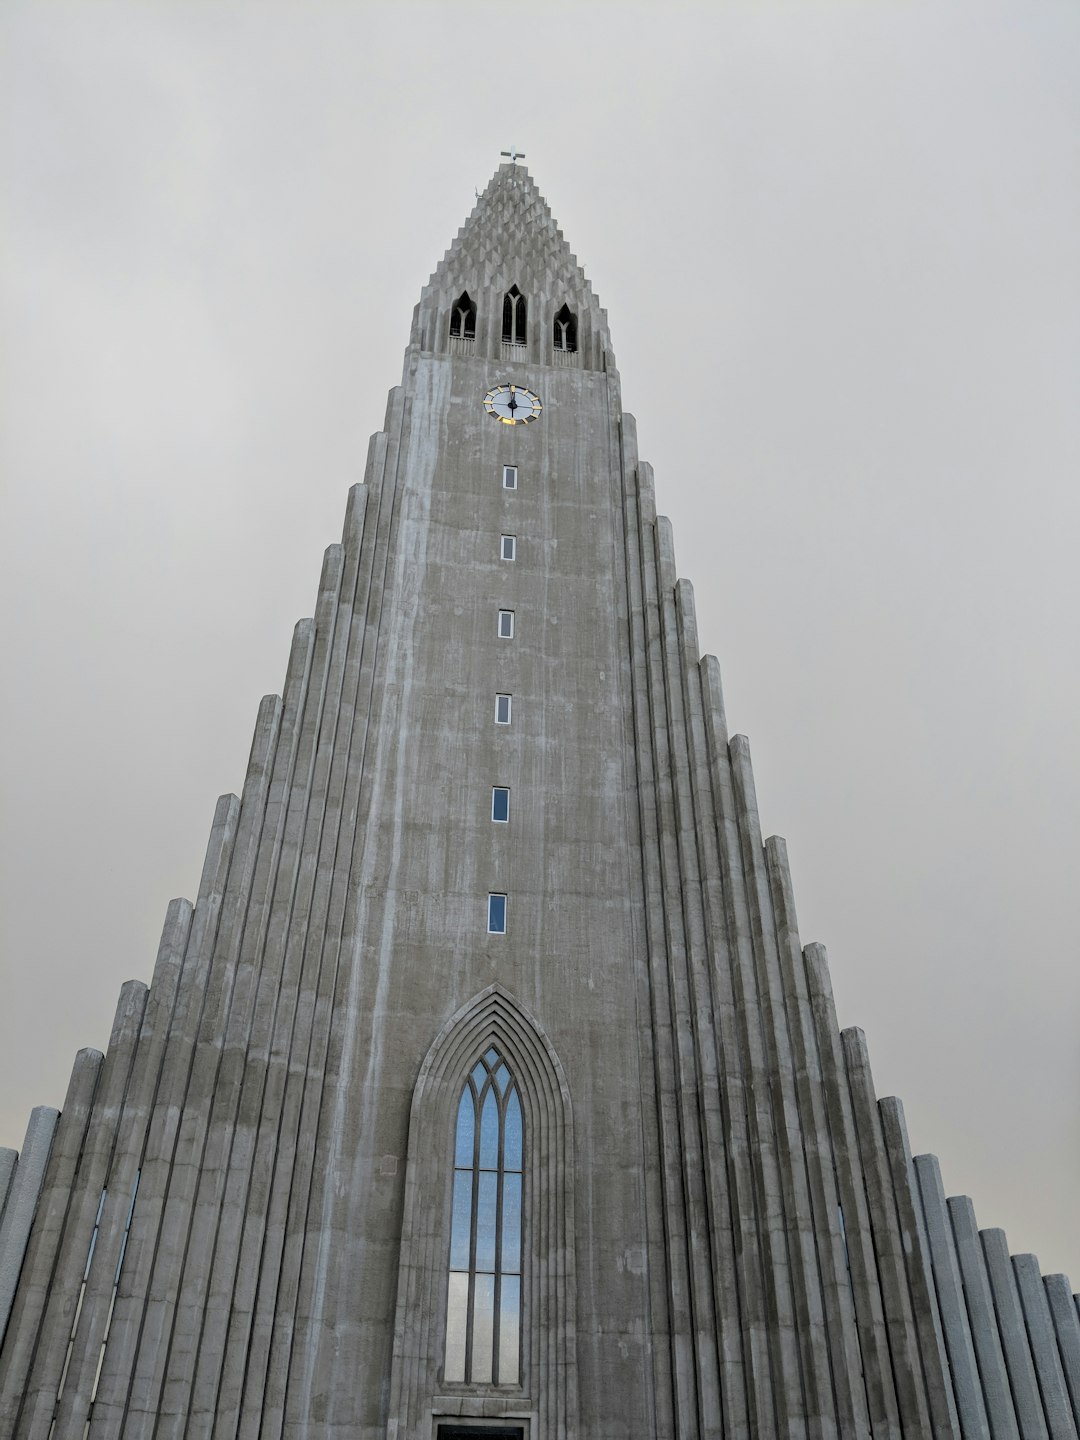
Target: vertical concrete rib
[[1014, 1339], [63, 1309], [695, 1045], [765, 1298], [279, 791], [728, 1170], [301, 1051], [24, 1179], [287, 1278], [9, 1159], [1044, 1349], [192, 1202], [639, 512], [148, 1235], [806, 1386], [852, 1192], [300, 1348], [745, 1348], [950, 1296], [113, 1233], [279, 912], [822, 1225], [47, 1231], [928, 1329], [1067, 1328], [270, 1146], [653, 760], [888, 1244], [979, 1301]]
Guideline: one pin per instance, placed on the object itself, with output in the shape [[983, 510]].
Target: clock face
[[512, 404]]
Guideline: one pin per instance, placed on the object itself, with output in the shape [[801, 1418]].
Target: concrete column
[[994, 1376], [797, 1216], [746, 1090], [67, 1302], [950, 1296], [1014, 1338], [249, 947], [852, 1195], [1067, 1328], [114, 1236], [785, 1276], [719, 1360], [9, 1159], [838, 1309], [740, 1290], [909, 1210], [286, 1003], [683, 1222], [298, 1349], [1044, 1350], [23, 1182], [151, 1261], [888, 1243], [67, 1134]]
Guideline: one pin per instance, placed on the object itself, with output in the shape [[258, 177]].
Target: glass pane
[[490, 1055], [479, 1075], [463, 1136], [512, 1139], [497, 914], [502, 1078], [500, 803], [483, 1329], [509, 1330], [457, 1314], [461, 1221], [486, 1197], [511, 1224], [489, 1133]]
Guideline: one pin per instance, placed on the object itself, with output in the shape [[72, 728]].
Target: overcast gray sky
[[838, 245]]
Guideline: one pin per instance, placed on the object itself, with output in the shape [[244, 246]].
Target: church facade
[[486, 1089]]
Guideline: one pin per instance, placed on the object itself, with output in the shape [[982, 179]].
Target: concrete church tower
[[487, 1090]]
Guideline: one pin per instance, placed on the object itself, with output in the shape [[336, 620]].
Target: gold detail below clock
[[512, 404]]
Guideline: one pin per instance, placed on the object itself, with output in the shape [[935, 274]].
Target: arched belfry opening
[[515, 317], [566, 330], [463, 317], [486, 1268]]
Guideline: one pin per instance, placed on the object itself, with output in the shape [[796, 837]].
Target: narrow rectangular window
[[509, 477], [506, 624], [502, 709], [509, 547], [500, 803], [496, 914]]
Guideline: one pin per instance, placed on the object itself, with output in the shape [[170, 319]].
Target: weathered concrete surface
[[23, 1176], [246, 1216]]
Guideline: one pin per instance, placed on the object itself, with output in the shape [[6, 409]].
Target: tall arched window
[[483, 1310], [463, 317], [514, 315], [566, 329]]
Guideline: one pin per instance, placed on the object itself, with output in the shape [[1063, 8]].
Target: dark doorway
[[480, 1432]]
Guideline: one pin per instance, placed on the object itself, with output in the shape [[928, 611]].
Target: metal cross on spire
[[513, 155]]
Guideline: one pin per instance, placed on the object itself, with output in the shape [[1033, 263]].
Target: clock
[[512, 404]]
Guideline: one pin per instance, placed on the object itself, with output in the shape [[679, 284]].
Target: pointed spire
[[511, 238]]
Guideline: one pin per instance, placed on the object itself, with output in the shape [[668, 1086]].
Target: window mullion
[[474, 1203]]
